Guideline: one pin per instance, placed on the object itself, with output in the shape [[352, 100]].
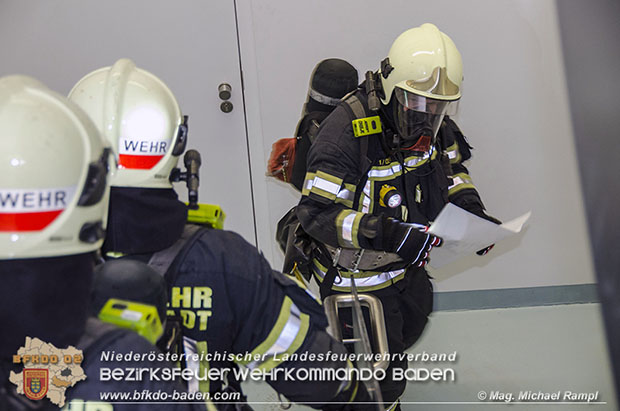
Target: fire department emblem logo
[[35, 383], [56, 370]]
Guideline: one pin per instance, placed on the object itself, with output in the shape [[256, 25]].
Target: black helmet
[[130, 280], [331, 80]]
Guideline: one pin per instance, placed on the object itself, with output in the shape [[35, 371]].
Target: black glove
[[410, 241]]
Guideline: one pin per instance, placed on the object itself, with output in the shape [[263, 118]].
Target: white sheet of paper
[[464, 233]]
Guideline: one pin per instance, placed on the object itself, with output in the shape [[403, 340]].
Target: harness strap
[[162, 260]]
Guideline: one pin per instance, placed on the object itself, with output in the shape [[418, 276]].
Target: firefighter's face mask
[[418, 119]]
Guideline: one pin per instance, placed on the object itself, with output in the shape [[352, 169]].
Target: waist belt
[[364, 280], [362, 259]]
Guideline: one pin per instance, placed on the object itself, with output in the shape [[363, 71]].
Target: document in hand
[[464, 233]]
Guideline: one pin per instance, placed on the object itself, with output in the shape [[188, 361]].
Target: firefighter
[[383, 165], [228, 298], [53, 206]]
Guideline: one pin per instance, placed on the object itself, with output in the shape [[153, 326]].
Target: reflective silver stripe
[[189, 347], [371, 281], [308, 184], [394, 405], [345, 383], [346, 194], [286, 337], [326, 185], [404, 238], [396, 168], [366, 198], [347, 228], [367, 188], [322, 98], [412, 162], [452, 154], [424, 249], [457, 181], [366, 205]]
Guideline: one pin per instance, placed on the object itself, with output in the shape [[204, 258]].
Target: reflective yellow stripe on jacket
[[460, 181], [285, 337], [364, 280], [453, 153]]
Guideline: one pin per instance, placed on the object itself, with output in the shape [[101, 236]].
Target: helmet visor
[[418, 118], [429, 105]]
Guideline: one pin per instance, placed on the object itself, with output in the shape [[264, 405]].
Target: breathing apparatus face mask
[[417, 119]]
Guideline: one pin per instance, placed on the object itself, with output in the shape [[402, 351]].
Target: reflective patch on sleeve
[[285, 337], [305, 190], [453, 153], [460, 182], [326, 185], [191, 348], [346, 195], [347, 227]]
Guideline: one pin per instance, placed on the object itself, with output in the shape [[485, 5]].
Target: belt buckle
[[358, 259], [335, 259], [336, 256]]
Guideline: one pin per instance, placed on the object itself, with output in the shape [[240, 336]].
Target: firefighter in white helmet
[[54, 193], [229, 300], [383, 165]]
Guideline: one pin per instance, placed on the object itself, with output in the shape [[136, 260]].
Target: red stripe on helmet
[[138, 162], [27, 221]]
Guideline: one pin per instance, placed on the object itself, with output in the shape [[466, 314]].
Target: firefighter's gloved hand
[[411, 242]]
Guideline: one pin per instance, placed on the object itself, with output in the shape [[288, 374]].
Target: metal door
[[190, 44]]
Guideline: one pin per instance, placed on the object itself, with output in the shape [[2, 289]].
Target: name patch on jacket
[[193, 304], [366, 126]]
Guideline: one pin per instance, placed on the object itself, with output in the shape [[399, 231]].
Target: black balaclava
[[394, 142], [331, 80], [143, 220], [390, 130], [46, 298]]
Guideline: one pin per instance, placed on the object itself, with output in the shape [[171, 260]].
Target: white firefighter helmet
[[140, 117], [53, 171], [421, 78], [423, 61]]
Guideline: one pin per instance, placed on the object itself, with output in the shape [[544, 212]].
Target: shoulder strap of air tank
[[357, 111], [162, 260]]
